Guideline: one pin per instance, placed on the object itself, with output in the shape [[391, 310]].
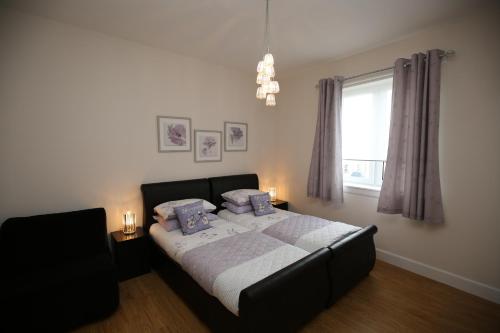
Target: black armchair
[[57, 271]]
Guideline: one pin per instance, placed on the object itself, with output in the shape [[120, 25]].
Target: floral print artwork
[[176, 134], [209, 147], [236, 136]]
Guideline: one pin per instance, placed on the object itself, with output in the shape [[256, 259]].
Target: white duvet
[[252, 222], [310, 241], [229, 284], [175, 243]]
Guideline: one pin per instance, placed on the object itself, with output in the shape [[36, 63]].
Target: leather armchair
[[57, 271]]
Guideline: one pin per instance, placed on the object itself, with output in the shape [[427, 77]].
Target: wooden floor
[[389, 300]]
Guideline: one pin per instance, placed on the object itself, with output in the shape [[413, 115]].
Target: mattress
[[226, 258], [307, 232]]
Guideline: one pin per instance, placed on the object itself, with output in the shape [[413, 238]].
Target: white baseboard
[[470, 286]]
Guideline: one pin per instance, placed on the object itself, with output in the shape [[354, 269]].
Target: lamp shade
[[269, 70], [261, 78], [260, 66], [261, 93], [274, 87], [270, 100], [272, 193], [129, 225], [268, 59], [266, 87]]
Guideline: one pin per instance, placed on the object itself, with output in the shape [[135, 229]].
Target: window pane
[[366, 113]]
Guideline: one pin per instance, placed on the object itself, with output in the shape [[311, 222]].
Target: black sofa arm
[[30, 243], [287, 299]]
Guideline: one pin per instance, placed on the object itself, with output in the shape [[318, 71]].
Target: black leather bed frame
[[352, 258], [282, 302]]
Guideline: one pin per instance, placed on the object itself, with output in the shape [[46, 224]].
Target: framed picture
[[174, 134], [235, 136], [207, 146]]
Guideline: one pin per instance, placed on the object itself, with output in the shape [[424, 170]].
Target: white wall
[[78, 118], [468, 243]]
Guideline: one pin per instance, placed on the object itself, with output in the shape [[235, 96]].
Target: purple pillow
[[173, 224], [192, 218], [237, 209], [261, 204]]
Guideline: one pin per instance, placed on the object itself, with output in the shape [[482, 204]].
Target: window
[[366, 113]]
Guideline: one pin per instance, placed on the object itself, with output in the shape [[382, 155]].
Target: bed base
[[282, 302], [351, 260]]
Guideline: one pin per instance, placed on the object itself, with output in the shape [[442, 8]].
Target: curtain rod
[[448, 53]]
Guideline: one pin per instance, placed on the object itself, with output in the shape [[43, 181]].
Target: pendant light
[[268, 86]]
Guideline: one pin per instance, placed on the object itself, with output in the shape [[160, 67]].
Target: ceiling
[[230, 32]]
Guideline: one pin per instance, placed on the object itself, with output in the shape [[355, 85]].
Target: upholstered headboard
[[219, 185], [157, 193]]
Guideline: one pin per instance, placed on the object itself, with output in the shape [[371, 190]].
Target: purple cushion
[[237, 209], [192, 218], [173, 224], [261, 204]]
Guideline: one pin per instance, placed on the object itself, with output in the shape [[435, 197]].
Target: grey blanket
[[301, 231], [206, 262], [291, 229]]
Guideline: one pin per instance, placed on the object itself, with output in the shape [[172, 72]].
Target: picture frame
[[235, 136], [207, 146], [174, 134]]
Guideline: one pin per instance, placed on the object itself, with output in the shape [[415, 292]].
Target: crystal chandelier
[[268, 86]]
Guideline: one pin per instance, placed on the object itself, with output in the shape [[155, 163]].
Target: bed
[[281, 299], [352, 248]]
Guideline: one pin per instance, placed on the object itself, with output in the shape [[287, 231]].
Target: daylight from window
[[366, 113]]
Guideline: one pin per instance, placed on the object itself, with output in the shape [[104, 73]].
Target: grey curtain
[[411, 185], [325, 171]]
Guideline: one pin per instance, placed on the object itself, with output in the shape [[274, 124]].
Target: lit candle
[[128, 223]]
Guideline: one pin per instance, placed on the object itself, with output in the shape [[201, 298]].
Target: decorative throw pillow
[[240, 197], [192, 218], [261, 204], [166, 209], [237, 209], [173, 224]]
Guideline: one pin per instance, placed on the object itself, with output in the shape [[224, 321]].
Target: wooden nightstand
[[280, 204], [131, 253]]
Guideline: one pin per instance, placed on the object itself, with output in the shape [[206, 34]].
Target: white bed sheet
[[175, 243], [252, 222]]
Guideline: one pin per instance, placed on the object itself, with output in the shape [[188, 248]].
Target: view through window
[[366, 113]]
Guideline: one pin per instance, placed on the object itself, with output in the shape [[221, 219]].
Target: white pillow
[[166, 209], [240, 197]]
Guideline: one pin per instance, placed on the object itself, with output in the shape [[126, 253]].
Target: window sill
[[364, 190]]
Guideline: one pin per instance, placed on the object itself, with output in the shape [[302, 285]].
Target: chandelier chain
[[266, 37]]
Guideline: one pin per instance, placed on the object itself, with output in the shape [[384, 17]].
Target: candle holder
[[272, 193], [129, 224]]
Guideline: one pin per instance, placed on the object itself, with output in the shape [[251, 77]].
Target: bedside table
[[280, 204], [130, 252]]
